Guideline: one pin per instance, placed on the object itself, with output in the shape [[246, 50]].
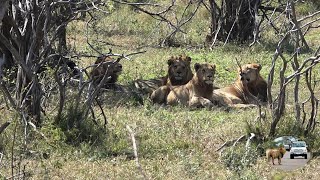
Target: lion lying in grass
[[249, 89], [275, 153], [106, 64], [179, 73], [198, 91]]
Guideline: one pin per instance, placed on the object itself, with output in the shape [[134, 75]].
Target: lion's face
[[116, 68], [109, 64], [249, 73], [205, 72], [179, 68], [282, 150]]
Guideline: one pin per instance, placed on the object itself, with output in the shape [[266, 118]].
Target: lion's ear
[[170, 61], [197, 66], [257, 66], [188, 58], [213, 66]]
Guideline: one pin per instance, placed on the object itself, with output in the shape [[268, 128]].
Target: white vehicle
[[286, 141], [298, 148]]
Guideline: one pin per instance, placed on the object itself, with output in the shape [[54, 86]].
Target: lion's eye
[[183, 67], [175, 66], [203, 70]]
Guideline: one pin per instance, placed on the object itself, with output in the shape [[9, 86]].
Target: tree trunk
[[237, 20]]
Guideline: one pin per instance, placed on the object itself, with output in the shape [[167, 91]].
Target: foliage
[[238, 158], [77, 129], [246, 174]]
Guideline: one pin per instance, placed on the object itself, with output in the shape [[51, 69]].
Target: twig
[[223, 145], [12, 148], [4, 126], [103, 114], [135, 151], [252, 135], [136, 3], [239, 65], [233, 142], [240, 138], [234, 22], [1, 157]]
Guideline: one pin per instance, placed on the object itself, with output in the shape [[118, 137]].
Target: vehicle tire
[[306, 156], [291, 157]]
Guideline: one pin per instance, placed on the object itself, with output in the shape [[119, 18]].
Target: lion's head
[[104, 64], [205, 72], [282, 151], [179, 71], [249, 73]]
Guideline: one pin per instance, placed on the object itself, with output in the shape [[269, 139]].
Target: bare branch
[[4, 126], [135, 151]]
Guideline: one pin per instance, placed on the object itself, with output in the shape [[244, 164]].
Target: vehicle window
[[298, 145]]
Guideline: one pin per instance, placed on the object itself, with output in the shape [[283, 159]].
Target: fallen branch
[[135, 151], [233, 142]]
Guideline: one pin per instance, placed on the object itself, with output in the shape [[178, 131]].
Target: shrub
[[77, 128], [238, 158]]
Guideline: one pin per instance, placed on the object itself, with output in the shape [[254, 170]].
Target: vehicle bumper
[[298, 154]]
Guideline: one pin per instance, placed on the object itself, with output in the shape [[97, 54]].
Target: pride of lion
[[275, 154], [180, 85], [249, 90]]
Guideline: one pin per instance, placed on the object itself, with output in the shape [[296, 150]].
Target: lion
[[106, 64], [275, 153], [179, 73], [198, 91], [249, 89]]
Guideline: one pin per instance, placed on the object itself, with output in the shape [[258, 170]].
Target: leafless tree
[[295, 31], [33, 35]]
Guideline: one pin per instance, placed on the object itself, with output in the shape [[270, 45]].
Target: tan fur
[[275, 153], [248, 87], [179, 73], [198, 91], [106, 64]]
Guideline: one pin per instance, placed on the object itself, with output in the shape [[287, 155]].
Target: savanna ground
[[173, 142]]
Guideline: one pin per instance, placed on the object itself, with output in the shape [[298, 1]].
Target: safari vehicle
[[298, 148], [286, 141]]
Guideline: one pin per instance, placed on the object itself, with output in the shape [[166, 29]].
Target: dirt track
[[291, 164]]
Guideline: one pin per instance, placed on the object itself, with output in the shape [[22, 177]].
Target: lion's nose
[[179, 72]]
